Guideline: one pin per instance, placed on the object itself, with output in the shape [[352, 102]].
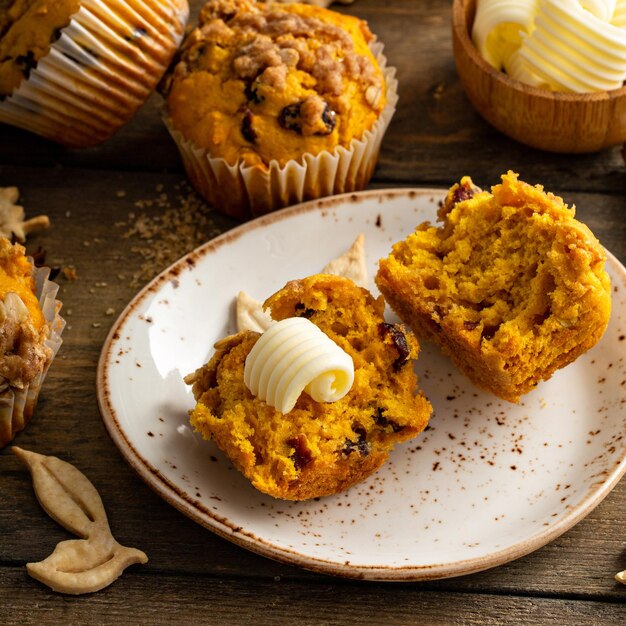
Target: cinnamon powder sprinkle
[[166, 227]]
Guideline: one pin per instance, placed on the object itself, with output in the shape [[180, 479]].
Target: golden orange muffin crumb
[[511, 286], [316, 449], [265, 82]]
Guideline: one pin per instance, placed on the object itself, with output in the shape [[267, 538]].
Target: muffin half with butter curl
[[273, 104], [319, 446], [75, 71]]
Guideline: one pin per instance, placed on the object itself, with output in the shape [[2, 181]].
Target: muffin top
[[27, 28], [262, 82]]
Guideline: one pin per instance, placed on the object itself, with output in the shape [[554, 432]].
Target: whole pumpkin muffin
[[75, 71], [30, 335], [272, 104], [511, 286], [316, 448]]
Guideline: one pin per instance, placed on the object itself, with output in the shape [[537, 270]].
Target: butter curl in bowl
[[547, 73]]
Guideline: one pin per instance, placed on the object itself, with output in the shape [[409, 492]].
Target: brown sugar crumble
[[279, 41]]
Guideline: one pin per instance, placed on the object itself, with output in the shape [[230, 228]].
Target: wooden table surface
[[194, 576]]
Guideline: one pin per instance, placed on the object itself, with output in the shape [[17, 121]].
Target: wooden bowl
[[554, 121]]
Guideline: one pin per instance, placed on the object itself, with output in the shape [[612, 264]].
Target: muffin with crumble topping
[[272, 104], [75, 71], [30, 335]]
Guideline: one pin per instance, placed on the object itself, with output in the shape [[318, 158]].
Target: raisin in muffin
[[272, 104], [30, 329], [75, 71], [316, 449], [511, 286]]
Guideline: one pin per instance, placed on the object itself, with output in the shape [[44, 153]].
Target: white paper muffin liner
[[99, 72], [17, 405], [245, 191]]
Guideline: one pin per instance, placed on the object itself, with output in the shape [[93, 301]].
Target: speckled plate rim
[[238, 535]]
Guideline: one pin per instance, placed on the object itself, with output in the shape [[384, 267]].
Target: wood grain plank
[[201, 599], [581, 563]]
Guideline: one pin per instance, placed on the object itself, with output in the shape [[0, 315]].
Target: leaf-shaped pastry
[[621, 577], [250, 314], [351, 263], [83, 565], [66, 494]]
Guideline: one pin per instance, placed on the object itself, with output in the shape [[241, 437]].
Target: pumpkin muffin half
[[75, 71], [271, 104], [511, 286], [315, 448]]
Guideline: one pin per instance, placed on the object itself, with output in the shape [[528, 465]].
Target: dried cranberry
[[329, 117], [383, 422], [464, 191], [360, 445], [398, 339], [489, 331], [252, 94], [27, 62], [306, 312], [246, 127], [289, 117], [301, 456]]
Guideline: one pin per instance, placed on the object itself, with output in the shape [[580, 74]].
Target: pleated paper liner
[[99, 72], [247, 191], [18, 405]]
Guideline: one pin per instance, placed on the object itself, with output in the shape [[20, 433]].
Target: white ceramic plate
[[488, 482]]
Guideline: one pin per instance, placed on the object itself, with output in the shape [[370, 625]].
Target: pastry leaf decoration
[[79, 565]]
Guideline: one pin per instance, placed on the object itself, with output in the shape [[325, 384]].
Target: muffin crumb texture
[[511, 285], [316, 449], [267, 82]]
